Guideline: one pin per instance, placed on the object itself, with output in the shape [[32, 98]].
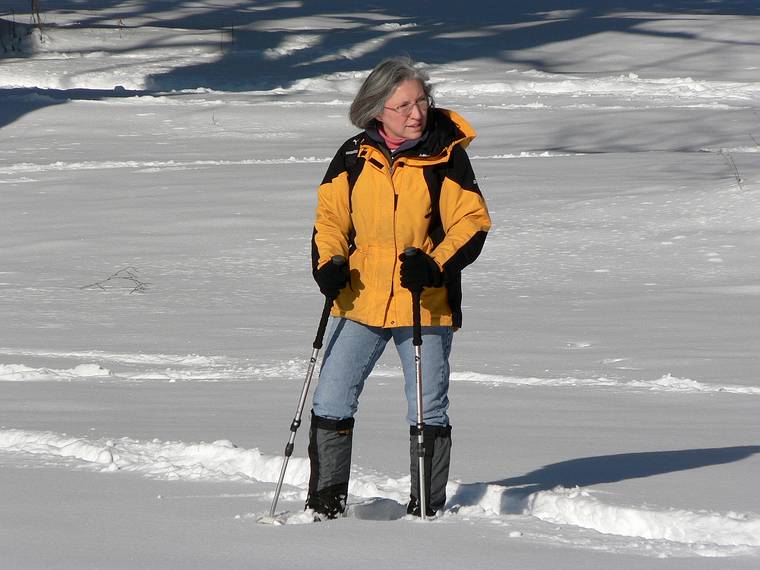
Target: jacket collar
[[445, 129], [375, 135]]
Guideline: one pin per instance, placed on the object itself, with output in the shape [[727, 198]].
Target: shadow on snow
[[588, 471], [348, 40]]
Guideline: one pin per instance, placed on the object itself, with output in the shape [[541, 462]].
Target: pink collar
[[392, 142]]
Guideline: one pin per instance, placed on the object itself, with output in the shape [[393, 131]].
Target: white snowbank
[[627, 85], [151, 165], [145, 367], [217, 461], [577, 507], [525, 154], [197, 368], [223, 461], [54, 445], [120, 357], [667, 383], [736, 149], [21, 373]]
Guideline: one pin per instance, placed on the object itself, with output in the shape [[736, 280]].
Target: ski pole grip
[[416, 320], [323, 324], [416, 326], [335, 260]]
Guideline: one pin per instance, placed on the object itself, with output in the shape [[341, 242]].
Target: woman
[[405, 181]]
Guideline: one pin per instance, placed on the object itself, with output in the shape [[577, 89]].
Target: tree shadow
[[17, 102], [588, 471], [343, 41], [273, 44]]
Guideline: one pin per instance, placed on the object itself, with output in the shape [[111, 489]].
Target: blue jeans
[[352, 349]]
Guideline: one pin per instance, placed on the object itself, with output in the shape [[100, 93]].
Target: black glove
[[331, 278], [419, 271]]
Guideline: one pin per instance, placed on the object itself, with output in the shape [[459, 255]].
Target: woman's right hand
[[331, 278]]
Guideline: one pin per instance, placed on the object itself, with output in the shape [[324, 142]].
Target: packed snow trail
[[188, 368], [151, 165], [376, 496], [578, 507]]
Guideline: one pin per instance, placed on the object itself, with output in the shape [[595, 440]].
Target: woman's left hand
[[419, 271]]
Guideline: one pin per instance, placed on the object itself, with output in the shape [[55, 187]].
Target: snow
[[157, 173], [21, 373], [223, 461]]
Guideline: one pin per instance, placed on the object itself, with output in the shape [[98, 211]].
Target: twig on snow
[[735, 170], [128, 275]]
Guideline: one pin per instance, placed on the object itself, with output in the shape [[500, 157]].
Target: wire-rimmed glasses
[[405, 109]]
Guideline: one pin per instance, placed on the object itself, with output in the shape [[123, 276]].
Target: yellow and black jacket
[[372, 206]]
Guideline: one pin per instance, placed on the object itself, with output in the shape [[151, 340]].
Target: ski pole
[[296, 423], [417, 342]]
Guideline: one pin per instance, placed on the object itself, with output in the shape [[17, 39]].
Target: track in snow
[[107, 366], [378, 497]]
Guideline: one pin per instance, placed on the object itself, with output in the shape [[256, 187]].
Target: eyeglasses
[[423, 103]]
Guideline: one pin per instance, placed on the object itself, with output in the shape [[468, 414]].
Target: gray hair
[[380, 85]]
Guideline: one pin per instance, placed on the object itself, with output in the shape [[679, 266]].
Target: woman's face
[[405, 111]]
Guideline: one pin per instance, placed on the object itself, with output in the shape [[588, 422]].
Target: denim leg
[[352, 349], [436, 348]]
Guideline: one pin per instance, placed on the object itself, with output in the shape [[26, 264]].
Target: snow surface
[[158, 167]]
